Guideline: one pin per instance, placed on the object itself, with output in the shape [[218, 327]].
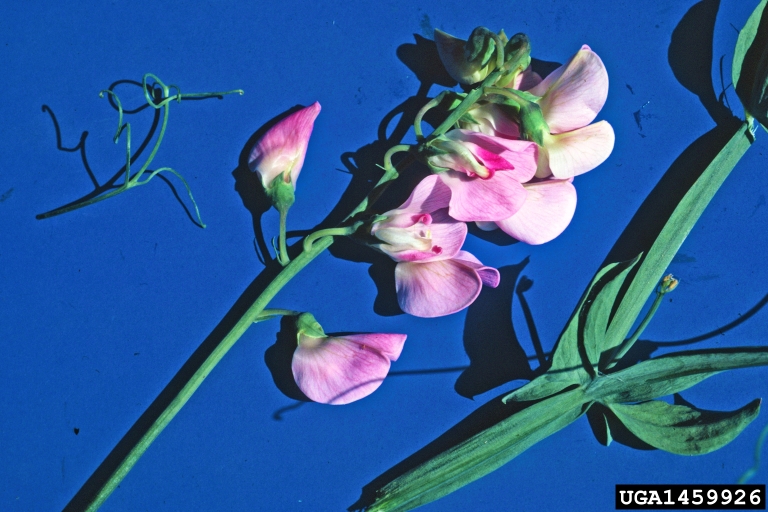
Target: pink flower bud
[[282, 149]]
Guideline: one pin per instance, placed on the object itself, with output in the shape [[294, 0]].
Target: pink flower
[[571, 97], [341, 369], [283, 147], [442, 287], [547, 211], [433, 277], [484, 173]]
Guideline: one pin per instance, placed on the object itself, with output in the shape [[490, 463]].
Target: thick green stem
[[199, 376]]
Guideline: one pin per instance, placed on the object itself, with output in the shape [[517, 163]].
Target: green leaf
[[746, 37], [566, 356], [547, 385], [598, 313], [683, 430], [480, 454], [675, 231], [671, 374], [749, 70]]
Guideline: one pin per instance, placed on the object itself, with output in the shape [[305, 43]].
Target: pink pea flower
[[283, 147], [433, 276], [570, 99], [484, 174], [341, 369], [547, 211]]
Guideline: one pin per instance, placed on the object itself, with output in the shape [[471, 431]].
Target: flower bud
[[468, 62], [280, 152], [668, 284]]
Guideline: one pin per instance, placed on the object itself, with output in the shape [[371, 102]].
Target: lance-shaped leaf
[[480, 454], [671, 374], [599, 312], [749, 70], [683, 430], [675, 231], [548, 384], [567, 356]]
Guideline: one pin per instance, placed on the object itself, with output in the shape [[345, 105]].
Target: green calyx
[[306, 325], [517, 57], [280, 192]]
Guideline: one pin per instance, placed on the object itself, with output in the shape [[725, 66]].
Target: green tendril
[[135, 180]]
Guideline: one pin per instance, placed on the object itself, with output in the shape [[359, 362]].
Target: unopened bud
[[668, 283]]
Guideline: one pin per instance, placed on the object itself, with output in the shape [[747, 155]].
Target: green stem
[[75, 206], [253, 313], [331, 232], [422, 112], [465, 105], [129, 181], [282, 254], [269, 314]]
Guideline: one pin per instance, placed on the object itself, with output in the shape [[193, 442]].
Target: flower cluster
[[508, 162]]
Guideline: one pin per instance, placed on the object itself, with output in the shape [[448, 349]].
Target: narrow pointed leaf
[[567, 356], [671, 374], [683, 430], [481, 454], [547, 385], [675, 231], [598, 314], [746, 38]]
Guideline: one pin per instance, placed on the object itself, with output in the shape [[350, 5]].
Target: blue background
[[99, 308]]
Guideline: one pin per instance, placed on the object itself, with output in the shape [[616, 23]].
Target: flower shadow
[[495, 354]]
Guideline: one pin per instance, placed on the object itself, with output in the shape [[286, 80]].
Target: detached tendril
[[129, 181]]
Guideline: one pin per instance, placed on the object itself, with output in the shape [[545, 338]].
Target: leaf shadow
[[690, 56]]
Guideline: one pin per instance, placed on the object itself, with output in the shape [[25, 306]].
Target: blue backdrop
[[102, 306]]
